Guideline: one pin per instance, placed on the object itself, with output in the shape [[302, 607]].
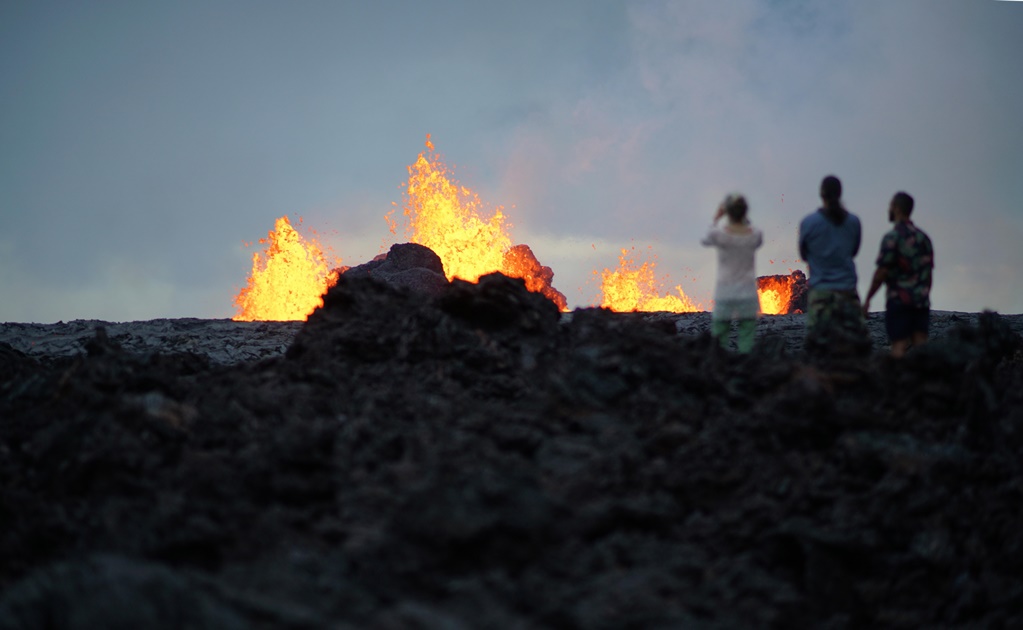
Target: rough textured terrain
[[476, 459], [227, 342]]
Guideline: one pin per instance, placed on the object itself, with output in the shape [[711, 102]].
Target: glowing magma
[[635, 288], [775, 294], [288, 279], [446, 217]]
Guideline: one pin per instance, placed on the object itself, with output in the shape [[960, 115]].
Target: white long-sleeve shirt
[[737, 276]]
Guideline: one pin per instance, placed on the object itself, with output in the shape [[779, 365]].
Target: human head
[[902, 203], [831, 196], [831, 190], [736, 208]]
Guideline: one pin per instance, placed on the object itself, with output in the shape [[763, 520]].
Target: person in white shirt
[[735, 296]]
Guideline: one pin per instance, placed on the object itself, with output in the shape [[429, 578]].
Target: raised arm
[[710, 239]]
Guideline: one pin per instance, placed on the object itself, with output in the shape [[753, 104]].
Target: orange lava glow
[[291, 275], [447, 218], [631, 288], [288, 278], [774, 294]]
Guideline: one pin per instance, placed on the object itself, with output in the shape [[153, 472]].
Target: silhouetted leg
[[719, 329], [747, 330]]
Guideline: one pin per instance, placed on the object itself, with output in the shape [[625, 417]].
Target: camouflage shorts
[[834, 324]]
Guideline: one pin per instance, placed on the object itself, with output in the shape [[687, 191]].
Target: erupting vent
[[445, 217], [782, 295], [631, 288], [291, 275], [288, 279]]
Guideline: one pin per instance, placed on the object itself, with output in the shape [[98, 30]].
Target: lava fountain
[[781, 294], [288, 279], [635, 288], [447, 218]]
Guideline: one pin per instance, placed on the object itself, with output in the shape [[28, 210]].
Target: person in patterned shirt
[[904, 265]]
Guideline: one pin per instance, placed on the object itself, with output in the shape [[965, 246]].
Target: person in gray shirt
[[829, 239]]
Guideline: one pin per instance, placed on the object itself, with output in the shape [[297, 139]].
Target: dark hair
[[736, 207], [903, 201], [831, 195]]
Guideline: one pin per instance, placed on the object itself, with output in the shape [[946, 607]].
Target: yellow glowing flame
[[631, 288], [288, 279], [774, 294], [446, 218]]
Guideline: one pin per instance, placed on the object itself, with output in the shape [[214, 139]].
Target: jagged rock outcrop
[[538, 277], [405, 266]]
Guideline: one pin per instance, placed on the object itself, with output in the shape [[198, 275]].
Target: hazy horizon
[[143, 144]]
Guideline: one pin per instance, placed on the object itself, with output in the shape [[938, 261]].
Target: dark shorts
[[902, 321]]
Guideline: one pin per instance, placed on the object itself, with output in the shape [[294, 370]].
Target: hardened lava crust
[[476, 458]]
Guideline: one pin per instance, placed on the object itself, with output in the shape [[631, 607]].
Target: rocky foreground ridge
[[477, 459]]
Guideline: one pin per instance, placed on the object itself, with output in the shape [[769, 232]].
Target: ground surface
[[479, 460], [227, 342]]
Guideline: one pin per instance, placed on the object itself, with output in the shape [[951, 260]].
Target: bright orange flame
[[631, 288], [445, 217], [775, 294], [288, 279]]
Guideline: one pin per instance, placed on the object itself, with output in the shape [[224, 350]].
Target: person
[[904, 264], [829, 239], [735, 295]]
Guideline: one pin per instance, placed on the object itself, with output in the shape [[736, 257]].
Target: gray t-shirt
[[737, 276]]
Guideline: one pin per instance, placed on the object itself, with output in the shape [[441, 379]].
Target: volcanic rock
[[113, 592], [221, 341], [476, 459], [405, 266], [537, 277], [228, 342]]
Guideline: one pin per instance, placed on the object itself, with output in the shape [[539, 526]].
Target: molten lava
[[288, 279], [520, 262], [783, 294], [445, 217], [631, 288], [775, 294]]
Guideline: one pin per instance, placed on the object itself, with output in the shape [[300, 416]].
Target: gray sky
[[143, 143]]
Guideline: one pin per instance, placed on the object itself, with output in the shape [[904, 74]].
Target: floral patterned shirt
[[907, 254]]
